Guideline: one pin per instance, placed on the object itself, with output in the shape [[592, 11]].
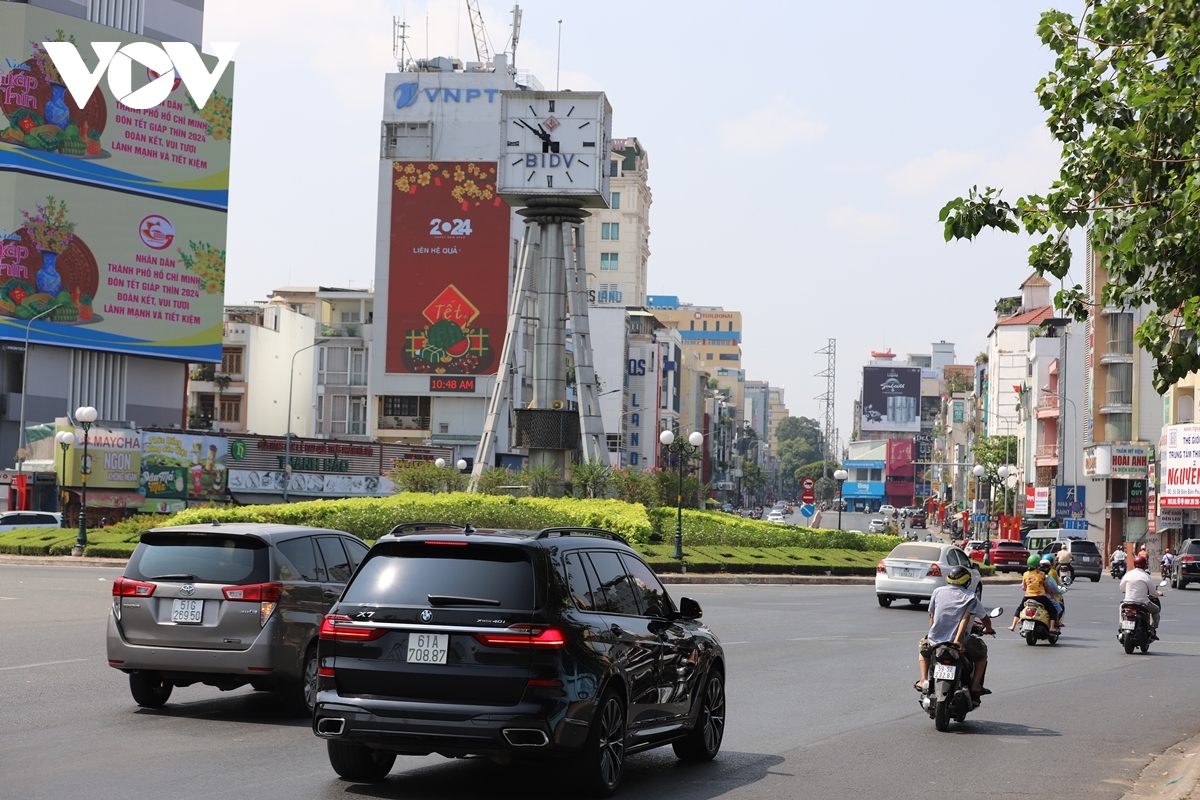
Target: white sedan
[[775, 516], [913, 570]]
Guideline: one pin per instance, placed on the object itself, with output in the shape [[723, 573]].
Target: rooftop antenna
[[516, 37], [400, 49], [558, 62]]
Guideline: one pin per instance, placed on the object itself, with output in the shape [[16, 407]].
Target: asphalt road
[[820, 705]]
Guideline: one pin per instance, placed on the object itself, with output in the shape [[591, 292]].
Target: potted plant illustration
[[56, 109], [52, 233]]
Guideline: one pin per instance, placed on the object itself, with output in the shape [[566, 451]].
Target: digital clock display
[[441, 383]]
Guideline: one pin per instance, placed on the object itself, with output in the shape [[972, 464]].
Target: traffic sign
[[1075, 524], [808, 496], [808, 509], [808, 484]]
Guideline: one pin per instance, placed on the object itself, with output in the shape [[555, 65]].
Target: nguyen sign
[[163, 63], [1180, 467]]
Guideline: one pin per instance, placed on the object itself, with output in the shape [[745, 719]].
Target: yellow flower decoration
[[423, 179], [402, 184], [410, 169]]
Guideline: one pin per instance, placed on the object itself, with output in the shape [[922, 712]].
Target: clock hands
[[541, 134]]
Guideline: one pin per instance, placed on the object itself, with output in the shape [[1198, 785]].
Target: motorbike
[[1118, 569], [1034, 623], [1066, 574], [1133, 629], [946, 692]]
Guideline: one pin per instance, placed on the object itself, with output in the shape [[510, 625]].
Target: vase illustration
[[48, 280], [57, 112]]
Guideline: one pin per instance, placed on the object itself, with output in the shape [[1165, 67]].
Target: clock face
[[556, 143]]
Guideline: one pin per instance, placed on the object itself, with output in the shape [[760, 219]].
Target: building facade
[[617, 239]]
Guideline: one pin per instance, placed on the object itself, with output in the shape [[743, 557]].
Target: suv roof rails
[[546, 533], [405, 528]]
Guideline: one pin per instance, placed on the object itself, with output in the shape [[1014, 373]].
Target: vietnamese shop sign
[[179, 466], [1180, 467]]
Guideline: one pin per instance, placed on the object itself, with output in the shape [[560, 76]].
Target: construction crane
[[482, 52]]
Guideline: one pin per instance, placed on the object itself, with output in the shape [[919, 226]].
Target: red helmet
[[1140, 561]]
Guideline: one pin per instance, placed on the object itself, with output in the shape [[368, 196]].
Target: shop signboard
[[1179, 486], [314, 484], [1069, 501], [958, 411], [1037, 500], [182, 466], [891, 399], [448, 268], [1130, 460], [265, 453], [1136, 499], [1097, 461], [900, 455], [863, 489], [114, 456]]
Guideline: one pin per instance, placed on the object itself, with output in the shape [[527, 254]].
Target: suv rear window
[[1084, 547], [204, 557], [407, 573], [1193, 547], [1010, 545]]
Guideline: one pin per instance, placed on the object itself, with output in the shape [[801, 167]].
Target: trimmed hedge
[[370, 518]]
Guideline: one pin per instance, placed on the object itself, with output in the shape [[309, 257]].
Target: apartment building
[[617, 239]]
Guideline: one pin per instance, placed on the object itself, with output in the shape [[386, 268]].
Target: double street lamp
[[440, 463], [85, 416], [682, 451], [65, 439], [840, 476]]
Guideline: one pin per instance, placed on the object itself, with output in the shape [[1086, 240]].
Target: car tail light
[[340, 628], [325, 672], [934, 571], [447, 544], [265, 594], [1187, 559], [128, 587], [524, 636], [881, 569]]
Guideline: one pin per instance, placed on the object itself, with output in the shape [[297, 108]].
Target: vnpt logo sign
[[161, 63], [405, 94]]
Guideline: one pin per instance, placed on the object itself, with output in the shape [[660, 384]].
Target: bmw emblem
[[187, 590], [426, 615]]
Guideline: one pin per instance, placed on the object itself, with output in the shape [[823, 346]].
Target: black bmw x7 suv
[[514, 644]]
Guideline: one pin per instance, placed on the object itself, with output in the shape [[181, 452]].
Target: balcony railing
[[1047, 451], [1048, 401], [1119, 397], [404, 423]]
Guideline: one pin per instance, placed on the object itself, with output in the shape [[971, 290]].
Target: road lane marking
[[45, 664]]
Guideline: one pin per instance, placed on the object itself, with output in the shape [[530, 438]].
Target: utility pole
[[828, 453]]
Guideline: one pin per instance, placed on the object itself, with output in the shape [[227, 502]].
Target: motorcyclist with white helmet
[[1140, 588]]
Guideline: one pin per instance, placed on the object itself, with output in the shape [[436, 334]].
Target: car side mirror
[[689, 608]]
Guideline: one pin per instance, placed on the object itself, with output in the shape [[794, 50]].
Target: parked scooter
[[1034, 623], [1133, 630], [1118, 569], [947, 689]]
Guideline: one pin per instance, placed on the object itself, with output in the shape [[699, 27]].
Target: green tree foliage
[[992, 452], [634, 486], [427, 477], [1121, 102], [591, 479], [800, 443]]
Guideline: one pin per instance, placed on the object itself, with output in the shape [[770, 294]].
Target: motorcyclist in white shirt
[[1118, 555], [1140, 588]]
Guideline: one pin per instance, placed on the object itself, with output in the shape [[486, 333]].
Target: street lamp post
[[65, 439], [978, 472], [22, 452], [85, 416], [440, 463], [287, 440], [682, 451], [840, 476], [1002, 472]]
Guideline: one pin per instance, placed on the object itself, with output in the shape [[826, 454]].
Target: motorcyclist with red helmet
[[1140, 588]]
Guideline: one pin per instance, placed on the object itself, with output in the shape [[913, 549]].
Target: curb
[[63, 561], [1172, 775]]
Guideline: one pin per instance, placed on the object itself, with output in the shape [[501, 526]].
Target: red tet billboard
[[900, 454], [448, 274]]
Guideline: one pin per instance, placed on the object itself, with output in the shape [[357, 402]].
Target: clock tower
[[554, 154]]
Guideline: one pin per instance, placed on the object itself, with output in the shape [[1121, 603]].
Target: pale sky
[[799, 154]]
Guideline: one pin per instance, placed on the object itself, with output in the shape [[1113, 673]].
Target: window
[[691, 325], [708, 357], [334, 366], [614, 168], [337, 565], [577, 580], [609, 261], [339, 409], [1120, 384], [320, 413], [619, 594], [443, 427], [727, 356], [704, 325], [350, 316], [356, 550], [1120, 334], [615, 201], [231, 409], [231, 360], [358, 366], [358, 416], [300, 553], [406, 573], [400, 406], [610, 230], [652, 597]]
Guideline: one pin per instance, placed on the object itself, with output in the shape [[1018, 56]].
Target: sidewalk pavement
[[1173, 775]]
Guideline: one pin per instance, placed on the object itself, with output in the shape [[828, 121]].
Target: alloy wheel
[[714, 715], [612, 742]]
